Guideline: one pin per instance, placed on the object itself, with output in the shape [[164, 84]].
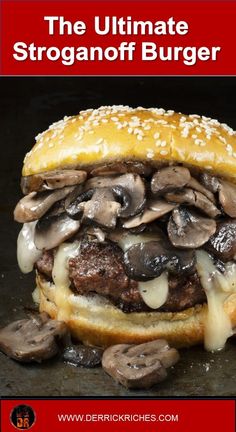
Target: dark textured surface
[[27, 107]]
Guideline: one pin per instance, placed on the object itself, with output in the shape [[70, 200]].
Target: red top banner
[[118, 38]]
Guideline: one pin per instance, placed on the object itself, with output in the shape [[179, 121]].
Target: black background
[[27, 107]]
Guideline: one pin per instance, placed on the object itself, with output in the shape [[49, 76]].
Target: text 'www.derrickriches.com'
[[90, 417]]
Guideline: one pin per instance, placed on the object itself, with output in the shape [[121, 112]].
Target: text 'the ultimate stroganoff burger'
[[130, 223]]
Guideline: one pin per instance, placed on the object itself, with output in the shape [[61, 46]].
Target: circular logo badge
[[22, 417]]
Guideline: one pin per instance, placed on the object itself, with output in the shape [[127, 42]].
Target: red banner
[[120, 415], [118, 38]]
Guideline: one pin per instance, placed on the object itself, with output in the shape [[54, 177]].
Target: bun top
[[121, 133]]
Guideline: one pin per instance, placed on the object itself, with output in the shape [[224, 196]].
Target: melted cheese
[[128, 240], [61, 278], [154, 292], [217, 325], [27, 253]]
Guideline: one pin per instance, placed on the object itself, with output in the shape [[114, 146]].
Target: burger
[[129, 220]]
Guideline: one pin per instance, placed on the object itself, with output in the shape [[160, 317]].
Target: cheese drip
[[27, 253], [128, 240], [61, 278], [154, 292], [217, 288]]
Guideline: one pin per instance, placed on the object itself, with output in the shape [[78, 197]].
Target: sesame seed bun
[[121, 133], [108, 325], [114, 134]]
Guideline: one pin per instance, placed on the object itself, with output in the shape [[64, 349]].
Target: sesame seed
[[150, 154], [199, 142], [156, 135], [164, 152], [163, 122], [163, 143], [139, 137], [130, 130], [100, 141], [222, 139]]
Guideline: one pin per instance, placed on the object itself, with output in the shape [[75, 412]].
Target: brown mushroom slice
[[194, 184], [210, 182], [132, 184], [154, 210], [169, 178], [227, 197], [53, 229], [74, 203], [33, 339], [194, 198], [35, 205], [56, 179], [101, 209], [149, 260], [139, 366], [83, 356], [188, 230], [223, 243], [122, 168]]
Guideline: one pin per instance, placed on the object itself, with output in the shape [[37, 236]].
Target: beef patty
[[99, 269]]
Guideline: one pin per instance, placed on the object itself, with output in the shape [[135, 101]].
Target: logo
[[22, 417]]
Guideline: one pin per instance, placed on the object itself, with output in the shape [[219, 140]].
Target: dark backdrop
[[27, 107]]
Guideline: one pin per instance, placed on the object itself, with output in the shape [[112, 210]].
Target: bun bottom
[[95, 321]]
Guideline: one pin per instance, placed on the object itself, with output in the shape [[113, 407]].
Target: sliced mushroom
[[148, 260], [33, 339], [54, 228], [85, 356], [194, 184], [35, 205], [227, 197], [188, 230], [122, 168], [223, 243], [132, 184], [139, 366], [169, 178], [101, 209], [73, 202], [194, 198], [154, 210], [56, 179], [210, 182]]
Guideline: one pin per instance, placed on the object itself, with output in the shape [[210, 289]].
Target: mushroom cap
[[120, 133]]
